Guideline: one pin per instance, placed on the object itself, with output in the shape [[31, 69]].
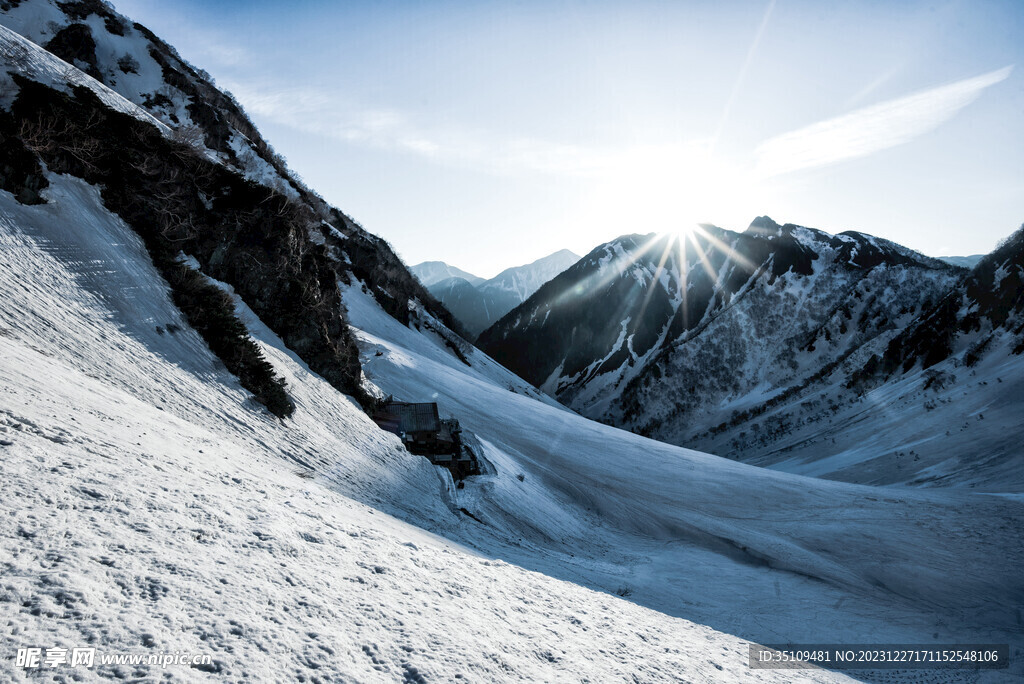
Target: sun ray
[[684, 285], [702, 254], [602, 277], [657, 275], [727, 249]]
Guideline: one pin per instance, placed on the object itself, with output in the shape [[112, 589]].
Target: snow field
[[151, 506]]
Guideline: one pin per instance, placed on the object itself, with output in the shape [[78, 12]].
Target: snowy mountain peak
[[730, 315], [523, 281], [132, 61], [860, 250], [479, 306], [764, 225], [432, 272]]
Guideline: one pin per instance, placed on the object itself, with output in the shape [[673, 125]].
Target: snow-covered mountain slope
[[658, 333], [197, 522], [284, 254], [151, 507], [132, 61], [21, 56], [146, 72], [155, 506], [948, 425], [687, 533], [940, 404], [987, 307], [477, 304], [432, 272]]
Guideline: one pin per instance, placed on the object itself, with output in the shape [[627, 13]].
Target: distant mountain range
[[963, 261], [478, 303], [735, 343], [433, 272]]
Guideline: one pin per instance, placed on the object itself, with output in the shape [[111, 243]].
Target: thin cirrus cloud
[[318, 112], [871, 129], [314, 111], [860, 133]]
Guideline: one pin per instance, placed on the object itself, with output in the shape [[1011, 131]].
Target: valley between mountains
[[687, 444]]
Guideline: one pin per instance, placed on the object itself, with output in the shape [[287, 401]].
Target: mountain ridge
[[478, 306], [200, 130], [766, 316], [432, 272]]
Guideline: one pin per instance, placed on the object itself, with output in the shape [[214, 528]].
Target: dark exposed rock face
[[178, 201], [75, 45], [213, 189], [20, 172], [989, 301]]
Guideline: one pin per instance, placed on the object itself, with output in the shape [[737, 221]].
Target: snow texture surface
[[151, 505]]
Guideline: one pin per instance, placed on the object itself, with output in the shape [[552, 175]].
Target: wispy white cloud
[[316, 111], [658, 185], [223, 53], [319, 112], [857, 134], [871, 129]]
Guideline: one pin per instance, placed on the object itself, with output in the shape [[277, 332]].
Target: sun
[[663, 189], [670, 189], [687, 227]]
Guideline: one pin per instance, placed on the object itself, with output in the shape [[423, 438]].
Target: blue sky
[[491, 134]]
